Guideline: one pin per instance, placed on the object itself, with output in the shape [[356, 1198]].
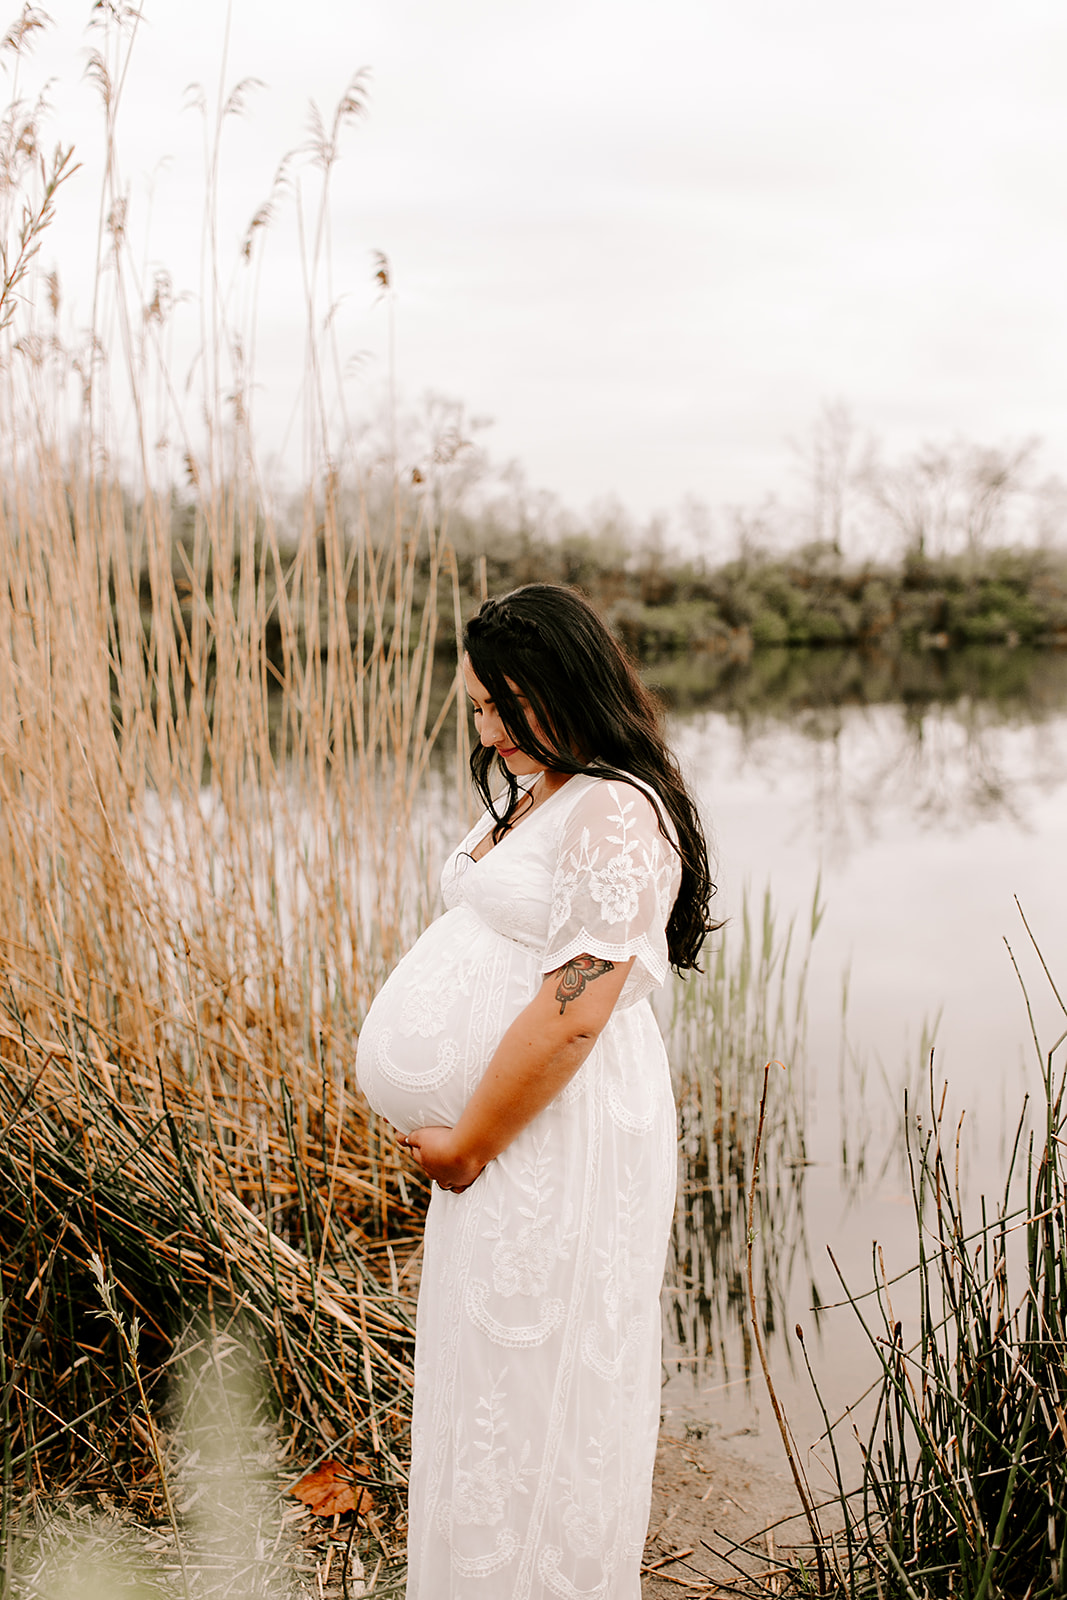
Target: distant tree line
[[951, 545], [810, 597]]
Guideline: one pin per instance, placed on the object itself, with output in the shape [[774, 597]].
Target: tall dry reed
[[217, 734]]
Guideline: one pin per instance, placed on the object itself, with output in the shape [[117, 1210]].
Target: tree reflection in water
[[947, 742], [928, 790]]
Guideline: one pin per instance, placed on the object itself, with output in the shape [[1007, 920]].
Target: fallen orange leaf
[[329, 1491]]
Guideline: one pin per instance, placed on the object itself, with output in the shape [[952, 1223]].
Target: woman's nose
[[492, 729]]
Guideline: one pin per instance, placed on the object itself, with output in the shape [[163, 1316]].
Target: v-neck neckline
[[547, 801]]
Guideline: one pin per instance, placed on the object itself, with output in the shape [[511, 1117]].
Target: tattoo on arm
[[576, 974]]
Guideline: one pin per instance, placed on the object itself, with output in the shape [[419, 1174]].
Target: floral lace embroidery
[[480, 1492], [482, 1488], [627, 1118], [616, 886], [427, 1010], [563, 891], [522, 1265], [610, 1368], [615, 883], [507, 1545], [589, 1513], [523, 1258], [585, 1527], [553, 1578]]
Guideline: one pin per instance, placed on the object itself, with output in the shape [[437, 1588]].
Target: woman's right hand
[[438, 1154]]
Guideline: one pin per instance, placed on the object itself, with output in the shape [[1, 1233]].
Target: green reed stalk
[[963, 1489], [748, 1006]]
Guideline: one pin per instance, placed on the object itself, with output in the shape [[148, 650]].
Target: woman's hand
[[438, 1153], [537, 1057]]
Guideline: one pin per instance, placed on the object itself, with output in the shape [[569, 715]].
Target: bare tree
[[948, 497], [832, 461], [913, 496], [990, 480]]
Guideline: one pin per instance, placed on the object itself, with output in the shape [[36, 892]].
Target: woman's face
[[492, 731]]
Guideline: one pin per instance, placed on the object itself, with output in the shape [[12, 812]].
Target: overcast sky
[[648, 240]]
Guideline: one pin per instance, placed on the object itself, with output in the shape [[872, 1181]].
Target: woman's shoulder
[[611, 798]]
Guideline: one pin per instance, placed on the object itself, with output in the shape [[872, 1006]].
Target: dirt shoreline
[[707, 1498], [717, 1519]]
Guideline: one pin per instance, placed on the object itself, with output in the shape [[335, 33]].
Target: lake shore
[[707, 1498]]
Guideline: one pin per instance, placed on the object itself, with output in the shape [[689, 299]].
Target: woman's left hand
[[438, 1154]]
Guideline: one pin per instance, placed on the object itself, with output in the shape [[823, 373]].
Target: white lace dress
[[537, 1364]]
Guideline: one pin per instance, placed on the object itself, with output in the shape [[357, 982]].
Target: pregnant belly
[[437, 1019]]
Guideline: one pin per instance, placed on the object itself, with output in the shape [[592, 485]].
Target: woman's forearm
[[533, 1062], [536, 1058]]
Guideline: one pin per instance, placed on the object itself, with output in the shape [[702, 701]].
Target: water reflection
[[778, 684], [848, 772], [721, 1028], [927, 794], [939, 735], [706, 1303]]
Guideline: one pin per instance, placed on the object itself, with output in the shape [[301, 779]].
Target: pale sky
[[648, 240]]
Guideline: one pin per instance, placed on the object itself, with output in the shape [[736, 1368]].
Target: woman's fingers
[[434, 1149]]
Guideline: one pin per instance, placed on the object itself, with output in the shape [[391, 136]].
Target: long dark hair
[[550, 644]]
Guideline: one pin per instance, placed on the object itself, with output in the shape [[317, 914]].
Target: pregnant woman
[[515, 1051]]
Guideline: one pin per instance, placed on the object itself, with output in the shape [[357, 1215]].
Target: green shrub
[[770, 627]]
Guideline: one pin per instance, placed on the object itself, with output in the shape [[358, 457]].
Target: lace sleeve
[[615, 882]]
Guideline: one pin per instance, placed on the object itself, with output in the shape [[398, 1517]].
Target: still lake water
[[922, 821]]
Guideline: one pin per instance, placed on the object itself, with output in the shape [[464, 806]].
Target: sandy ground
[[717, 1519], [707, 1501]]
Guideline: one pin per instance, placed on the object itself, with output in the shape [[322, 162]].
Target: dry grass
[[204, 875], [215, 757]]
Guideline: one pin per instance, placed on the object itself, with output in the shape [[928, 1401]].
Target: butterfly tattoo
[[576, 974]]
